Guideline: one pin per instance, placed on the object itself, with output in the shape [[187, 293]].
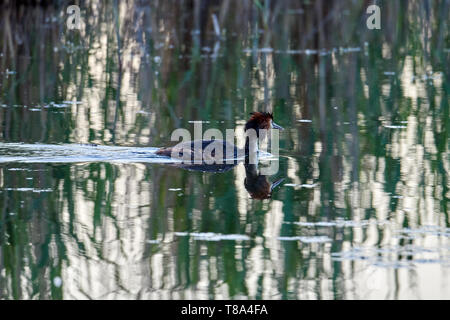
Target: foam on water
[[426, 230], [28, 190], [388, 256], [312, 239], [339, 223], [395, 127], [211, 236], [307, 186]]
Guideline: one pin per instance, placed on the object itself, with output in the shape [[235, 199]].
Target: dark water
[[362, 211]]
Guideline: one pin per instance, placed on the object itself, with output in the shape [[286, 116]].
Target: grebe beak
[[275, 126]]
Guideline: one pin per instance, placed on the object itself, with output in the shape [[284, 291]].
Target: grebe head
[[261, 120]]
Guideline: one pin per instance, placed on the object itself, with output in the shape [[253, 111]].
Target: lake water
[[88, 211]]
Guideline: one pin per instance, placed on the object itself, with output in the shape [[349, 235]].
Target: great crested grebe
[[260, 122]]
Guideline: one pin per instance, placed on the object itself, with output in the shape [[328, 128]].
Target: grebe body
[[260, 122]]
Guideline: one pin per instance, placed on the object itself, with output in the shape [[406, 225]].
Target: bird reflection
[[257, 185]]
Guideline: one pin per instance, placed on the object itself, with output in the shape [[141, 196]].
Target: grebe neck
[[251, 150]]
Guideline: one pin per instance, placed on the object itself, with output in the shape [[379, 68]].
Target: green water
[[362, 212]]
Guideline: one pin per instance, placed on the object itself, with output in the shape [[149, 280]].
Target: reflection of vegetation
[[171, 75]]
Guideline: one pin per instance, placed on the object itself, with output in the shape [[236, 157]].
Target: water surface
[[362, 212]]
